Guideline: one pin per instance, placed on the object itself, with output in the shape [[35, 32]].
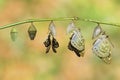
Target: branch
[[55, 19]]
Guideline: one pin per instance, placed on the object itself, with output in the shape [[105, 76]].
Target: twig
[[56, 19]]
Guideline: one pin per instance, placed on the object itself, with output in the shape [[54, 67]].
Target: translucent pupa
[[51, 28], [51, 41], [97, 31], [13, 34]]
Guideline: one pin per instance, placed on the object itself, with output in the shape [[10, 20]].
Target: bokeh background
[[26, 60]]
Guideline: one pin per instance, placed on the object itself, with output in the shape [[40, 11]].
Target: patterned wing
[[102, 49], [77, 42]]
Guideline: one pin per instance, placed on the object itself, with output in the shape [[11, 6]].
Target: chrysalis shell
[[52, 28], [70, 27], [97, 31], [32, 31], [13, 34]]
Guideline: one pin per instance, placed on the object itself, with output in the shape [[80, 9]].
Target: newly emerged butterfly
[[32, 31], [77, 42], [13, 34], [51, 42], [102, 47]]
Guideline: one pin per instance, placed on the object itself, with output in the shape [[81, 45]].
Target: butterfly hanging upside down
[[101, 46], [51, 42], [76, 42]]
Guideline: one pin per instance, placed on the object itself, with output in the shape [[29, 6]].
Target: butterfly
[[77, 42], [102, 46], [51, 42]]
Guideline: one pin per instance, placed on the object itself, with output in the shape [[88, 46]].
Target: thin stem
[[55, 19]]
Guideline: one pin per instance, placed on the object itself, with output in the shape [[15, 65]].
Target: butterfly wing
[[77, 42], [102, 49]]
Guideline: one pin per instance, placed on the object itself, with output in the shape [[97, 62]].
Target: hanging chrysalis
[[13, 34], [77, 42], [70, 27], [102, 48], [32, 31], [51, 42], [97, 31]]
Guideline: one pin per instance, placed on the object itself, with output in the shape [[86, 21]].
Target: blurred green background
[[26, 60]]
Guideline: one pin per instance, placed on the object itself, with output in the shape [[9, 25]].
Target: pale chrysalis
[[70, 27], [13, 34], [52, 28], [97, 31]]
